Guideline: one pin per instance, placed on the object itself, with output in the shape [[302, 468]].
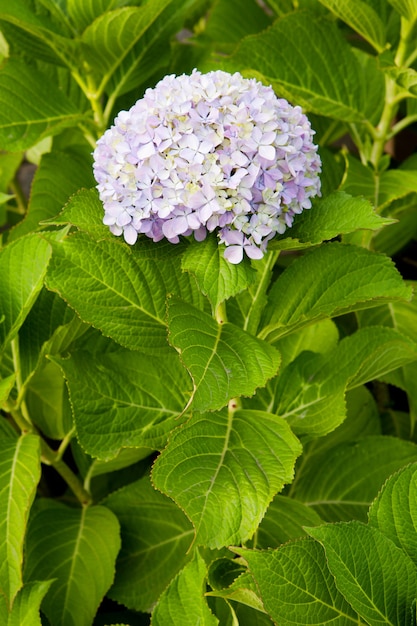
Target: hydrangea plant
[[207, 152], [208, 402]]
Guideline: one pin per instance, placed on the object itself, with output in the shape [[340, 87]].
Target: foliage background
[[183, 441]]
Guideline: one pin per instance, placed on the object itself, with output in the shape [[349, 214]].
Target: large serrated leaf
[[124, 399], [224, 361], [26, 605], [336, 214], [308, 62], [120, 290], [22, 270], [297, 587], [31, 107], [328, 281], [362, 18], [156, 536], [340, 484], [309, 392], [394, 511], [375, 576], [19, 477], [77, 547], [224, 468], [184, 602]]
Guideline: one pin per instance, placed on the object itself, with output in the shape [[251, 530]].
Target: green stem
[[254, 315], [49, 457], [392, 97], [220, 314]]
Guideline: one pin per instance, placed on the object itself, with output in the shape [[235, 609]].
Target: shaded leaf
[[183, 601], [59, 175], [156, 536], [340, 484]]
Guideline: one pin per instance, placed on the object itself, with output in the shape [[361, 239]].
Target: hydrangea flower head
[[203, 153]]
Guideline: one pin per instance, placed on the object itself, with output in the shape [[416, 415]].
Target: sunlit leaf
[[296, 585], [22, 270], [223, 360], [19, 477], [31, 107], [375, 576], [308, 62], [77, 547], [120, 290], [124, 399], [342, 278], [223, 470]]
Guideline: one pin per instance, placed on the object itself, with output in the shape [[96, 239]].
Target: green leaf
[[341, 483], [223, 470], [85, 211], [336, 279], [47, 400], [377, 578], [321, 337], [31, 107], [360, 17], [308, 62], [35, 33], [22, 270], [50, 328], [84, 12], [77, 547], [120, 290], [309, 392], [19, 477], [217, 278], [244, 591], [296, 586], [408, 8], [229, 21], [183, 601], [223, 360], [26, 605], [59, 175], [336, 214], [156, 537], [394, 511], [283, 521], [124, 399], [6, 385], [114, 33]]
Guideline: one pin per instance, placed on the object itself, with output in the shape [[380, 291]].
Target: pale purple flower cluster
[[204, 152]]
